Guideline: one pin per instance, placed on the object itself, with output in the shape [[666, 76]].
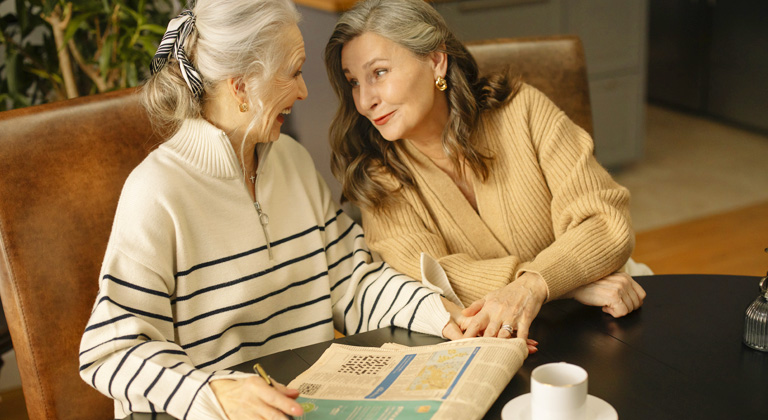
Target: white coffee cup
[[559, 392]]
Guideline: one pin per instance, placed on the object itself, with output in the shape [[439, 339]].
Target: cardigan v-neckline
[[431, 178]]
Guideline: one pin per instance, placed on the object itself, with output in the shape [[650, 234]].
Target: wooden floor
[[12, 405], [727, 243]]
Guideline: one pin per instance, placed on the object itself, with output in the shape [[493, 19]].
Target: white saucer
[[520, 409]]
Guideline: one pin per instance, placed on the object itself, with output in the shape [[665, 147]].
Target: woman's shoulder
[[150, 181], [291, 163], [526, 97], [529, 106], [290, 151]]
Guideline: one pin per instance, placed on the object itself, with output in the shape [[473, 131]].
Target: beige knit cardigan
[[547, 207]]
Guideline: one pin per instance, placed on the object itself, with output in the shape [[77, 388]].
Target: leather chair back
[[555, 65], [63, 166]]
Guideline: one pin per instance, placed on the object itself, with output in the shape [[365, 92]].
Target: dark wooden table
[[679, 357]]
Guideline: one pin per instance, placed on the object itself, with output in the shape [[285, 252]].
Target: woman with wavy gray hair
[[485, 174], [226, 245]]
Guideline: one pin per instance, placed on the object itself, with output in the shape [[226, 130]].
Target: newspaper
[[453, 380]]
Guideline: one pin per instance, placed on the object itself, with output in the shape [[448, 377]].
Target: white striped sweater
[[188, 288]]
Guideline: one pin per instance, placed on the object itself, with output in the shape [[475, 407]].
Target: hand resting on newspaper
[[434, 277], [458, 323]]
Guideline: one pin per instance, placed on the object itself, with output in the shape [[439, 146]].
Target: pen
[[260, 370]]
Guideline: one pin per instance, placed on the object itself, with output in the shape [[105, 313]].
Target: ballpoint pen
[[260, 370]]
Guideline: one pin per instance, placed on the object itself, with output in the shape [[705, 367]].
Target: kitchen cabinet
[[710, 57]]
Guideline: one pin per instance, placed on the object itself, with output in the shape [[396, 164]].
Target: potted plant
[[57, 49]]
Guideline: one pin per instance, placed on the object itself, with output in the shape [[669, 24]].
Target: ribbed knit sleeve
[[589, 211], [548, 207]]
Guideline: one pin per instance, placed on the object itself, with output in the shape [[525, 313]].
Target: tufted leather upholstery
[[63, 166], [555, 65]]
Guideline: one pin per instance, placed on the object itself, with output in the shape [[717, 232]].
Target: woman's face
[[287, 86], [395, 89]]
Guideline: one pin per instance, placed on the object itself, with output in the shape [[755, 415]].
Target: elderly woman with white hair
[[226, 245]]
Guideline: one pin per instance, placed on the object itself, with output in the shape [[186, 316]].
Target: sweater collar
[[205, 147], [439, 190]]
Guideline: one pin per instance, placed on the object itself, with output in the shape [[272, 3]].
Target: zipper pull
[[264, 220], [263, 217]]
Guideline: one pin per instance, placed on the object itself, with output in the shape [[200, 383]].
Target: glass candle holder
[[756, 320]]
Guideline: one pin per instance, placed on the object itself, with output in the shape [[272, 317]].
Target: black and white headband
[[172, 44]]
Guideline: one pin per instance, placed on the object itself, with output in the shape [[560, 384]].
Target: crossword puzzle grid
[[308, 389], [365, 365]]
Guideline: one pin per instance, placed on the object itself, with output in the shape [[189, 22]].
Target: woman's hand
[[252, 398], [618, 294], [452, 329], [515, 304]]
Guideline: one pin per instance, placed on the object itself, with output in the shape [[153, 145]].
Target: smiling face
[[395, 89], [286, 87]]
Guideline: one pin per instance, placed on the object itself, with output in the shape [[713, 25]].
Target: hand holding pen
[[256, 397]]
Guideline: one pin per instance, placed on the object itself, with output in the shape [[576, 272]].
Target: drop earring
[[441, 84], [244, 107]]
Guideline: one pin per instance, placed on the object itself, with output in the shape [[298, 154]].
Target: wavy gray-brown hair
[[359, 152], [231, 39]]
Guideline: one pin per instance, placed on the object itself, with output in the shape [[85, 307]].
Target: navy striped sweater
[[190, 285]]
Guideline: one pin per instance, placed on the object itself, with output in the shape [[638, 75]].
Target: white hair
[[232, 39]]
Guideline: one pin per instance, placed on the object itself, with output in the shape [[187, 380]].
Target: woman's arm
[[128, 351], [405, 228], [589, 218], [367, 293]]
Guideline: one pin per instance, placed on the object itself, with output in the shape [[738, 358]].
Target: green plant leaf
[[106, 55], [48, 6], [21, 13], [75, 24], [40, 73], [133, 75], [148, 44], [155, 29], [12, 71], [137, 17]]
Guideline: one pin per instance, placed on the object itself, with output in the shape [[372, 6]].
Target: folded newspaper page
[[453, 380]]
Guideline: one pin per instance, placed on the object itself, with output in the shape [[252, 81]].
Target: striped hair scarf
[[173, 44]]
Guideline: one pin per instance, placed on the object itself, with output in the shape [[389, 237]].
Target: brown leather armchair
[[63, 166], [555, 65]]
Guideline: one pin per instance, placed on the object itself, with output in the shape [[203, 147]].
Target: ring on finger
[[508, 328]]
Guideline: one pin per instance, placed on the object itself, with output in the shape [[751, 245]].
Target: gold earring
[[243, 107], [441, 83]]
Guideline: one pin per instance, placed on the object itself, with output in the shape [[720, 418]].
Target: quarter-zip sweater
[[188, 288], [547, 207]]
